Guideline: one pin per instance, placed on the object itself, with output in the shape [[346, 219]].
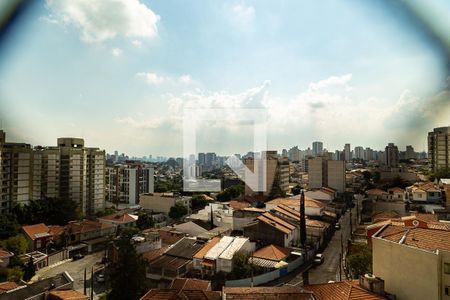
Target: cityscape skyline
[[149, 62]]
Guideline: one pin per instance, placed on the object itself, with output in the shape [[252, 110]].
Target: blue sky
[[119, 73]]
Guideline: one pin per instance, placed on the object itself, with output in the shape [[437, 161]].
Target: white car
[[100, 278], [318, 259]]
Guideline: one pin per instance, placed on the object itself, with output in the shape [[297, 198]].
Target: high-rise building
[[347, 153], [359, 152], [68, 171], [127, 181], [439, 148], [391, 156], [323, 172], [410, 153], [201, 159], [368, 154], [210, 159], [317, 148]]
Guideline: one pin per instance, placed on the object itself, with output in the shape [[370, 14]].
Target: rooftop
[[120, 218], [235, 246], [190, 284], [279, 292], [422, 238], [272, 252], [8, 285], [185, 248], [342, 290], [217, 249], [36, 231], [276, 222], [211, 243], [173, 294], [67, 295]]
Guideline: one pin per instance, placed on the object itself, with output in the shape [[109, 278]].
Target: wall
[[409, 273], [156, 202]]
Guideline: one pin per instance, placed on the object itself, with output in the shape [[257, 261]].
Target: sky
[[121, 73]]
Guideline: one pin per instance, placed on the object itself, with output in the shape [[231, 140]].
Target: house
[[325, 194], [66, 295], [175, 262], [40, 289], [190, 228], [396, 194], [377, 194], [222, 214], [39, 235], [40, 260], [270, 257], [236, 205], [162, 202], [181, 294], [190, 284], [169, 235], [197, 262], [270, 229], [224, 262], [348, 290], [7, 286], [403, 255], [313, 208], [120, 220], [146, 241], [427, 192], [210, 258], [244, 216], [4, 257], [269, 292]]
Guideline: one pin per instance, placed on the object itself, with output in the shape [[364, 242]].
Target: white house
[[225, 261]]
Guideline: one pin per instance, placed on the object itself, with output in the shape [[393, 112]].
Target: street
[[329, 269], [76, 270]]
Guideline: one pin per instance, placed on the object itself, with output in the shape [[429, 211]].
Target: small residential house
[[313, 208], [120, 220], [198, 258], [224, 262], [5, 256], [270, 229], [270, 257], [396, 194], [377, 194], [39, 235], [176, 261], [324, 194], [424, 193], [244, 216]]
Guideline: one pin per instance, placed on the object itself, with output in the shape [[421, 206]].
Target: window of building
[[447, 268]]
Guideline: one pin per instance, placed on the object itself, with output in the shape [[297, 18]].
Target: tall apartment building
[[347, 152], [391, 156], [323, 172], [410, 153], [359, 152], [127, 181], [68, 171], [272, 167], [368, 154], [317, 148], [439, 148]]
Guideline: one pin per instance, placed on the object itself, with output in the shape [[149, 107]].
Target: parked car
[[100, 278], [318, 259], [337, 226], [77, 256]]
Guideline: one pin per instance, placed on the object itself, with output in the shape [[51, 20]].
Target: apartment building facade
[[439, 148], [68, 170], [323, 172]]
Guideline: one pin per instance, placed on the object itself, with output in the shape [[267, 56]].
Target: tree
[[15, 274], [30, 270], [128, 274], [105, 212], [242, 268], [276, 190], [302, 220], [230, 193], [198, 201], [16, 244], [360, 260], [8, 226], [177, 211], [296, 190], [144, 221], [438, 174]]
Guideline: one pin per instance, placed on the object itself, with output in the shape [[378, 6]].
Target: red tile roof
[[234, 204], [276, 292], [272, 252], [276, 222], [5, 253], [37, 230], [376, 192], [8, 285], [190, 284], [68, 295], [342, 290], [120, 218], [173, 294], [427, 239], [202, 252]]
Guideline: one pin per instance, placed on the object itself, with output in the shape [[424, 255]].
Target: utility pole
[[84, 281], [92, 283]]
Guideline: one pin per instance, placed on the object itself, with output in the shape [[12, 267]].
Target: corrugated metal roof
[[235, 246], [215, 251]]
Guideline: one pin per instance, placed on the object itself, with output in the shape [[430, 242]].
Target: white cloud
[[152, 78], [152, 123], [156, 79], [116, 52], [342, 80], [241, 15], [100, 20], [136, 43]]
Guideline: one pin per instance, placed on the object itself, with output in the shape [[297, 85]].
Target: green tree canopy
[[231, 193], [144, 221], [198, 201], [128, 274], [177, 211], [360, 260], [16, 244], [8, 226]]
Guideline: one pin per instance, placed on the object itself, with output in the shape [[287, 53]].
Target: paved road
[[76, 270], [329, 269]]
